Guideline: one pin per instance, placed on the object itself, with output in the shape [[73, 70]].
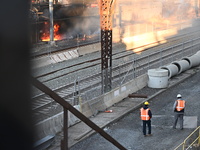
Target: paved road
[[128, 130]]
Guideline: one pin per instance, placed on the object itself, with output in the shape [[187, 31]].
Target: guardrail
[[191, 142]]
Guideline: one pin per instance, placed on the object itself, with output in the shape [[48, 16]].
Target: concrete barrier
[[89, 49], [50, 126], [114, 96], [123, 91], [54, 124]]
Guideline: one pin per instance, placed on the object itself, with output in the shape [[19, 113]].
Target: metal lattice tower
[[106, 10]]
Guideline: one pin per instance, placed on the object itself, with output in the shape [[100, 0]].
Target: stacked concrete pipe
[[198, 53], [158, 78], [193, 60], [172, 70], [182, 65]]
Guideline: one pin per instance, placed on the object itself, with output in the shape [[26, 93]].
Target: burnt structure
[[66, 16], [76, 21]]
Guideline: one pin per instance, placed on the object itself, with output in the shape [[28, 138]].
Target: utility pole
[[51, 25], [106, 8]]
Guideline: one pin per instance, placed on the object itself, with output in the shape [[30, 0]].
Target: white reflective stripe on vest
[[144, 114], [180, 105], [147, 116]]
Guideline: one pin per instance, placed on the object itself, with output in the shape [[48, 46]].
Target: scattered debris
[[108, 111]]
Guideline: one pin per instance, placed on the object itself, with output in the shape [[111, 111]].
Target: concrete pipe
[[193, 60], [182, 65], [197, 54], [172, 70], [158, 78]]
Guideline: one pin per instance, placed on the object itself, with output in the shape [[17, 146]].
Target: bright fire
[[143, 24], [46, 35], [140, 42]]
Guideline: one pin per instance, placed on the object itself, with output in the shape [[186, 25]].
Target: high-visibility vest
[[180, 105], [144, 114]]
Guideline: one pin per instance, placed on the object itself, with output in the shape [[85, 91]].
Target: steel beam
[[106, 8], [74, 111]]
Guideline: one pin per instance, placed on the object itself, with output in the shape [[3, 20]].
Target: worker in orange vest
[[146, 115], [179, 107]]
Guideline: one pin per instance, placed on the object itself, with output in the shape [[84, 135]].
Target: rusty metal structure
[[106, 8]]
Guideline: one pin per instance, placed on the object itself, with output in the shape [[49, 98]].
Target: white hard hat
[[179, 95]]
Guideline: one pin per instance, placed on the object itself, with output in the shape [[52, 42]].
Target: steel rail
[[98, 59], [115, 77]]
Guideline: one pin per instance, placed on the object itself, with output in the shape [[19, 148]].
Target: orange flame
[[141, 26], [46, 35]]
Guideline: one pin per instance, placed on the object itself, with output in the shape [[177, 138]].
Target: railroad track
[[118, 53], [44, 107]]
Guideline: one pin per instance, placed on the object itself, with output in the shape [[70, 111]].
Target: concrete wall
[[55, 124], [89, 49]]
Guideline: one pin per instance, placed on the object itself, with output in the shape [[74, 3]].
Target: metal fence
[[86, 85], [136, 65]]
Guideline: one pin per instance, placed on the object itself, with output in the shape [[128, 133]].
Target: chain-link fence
[[136, 65]]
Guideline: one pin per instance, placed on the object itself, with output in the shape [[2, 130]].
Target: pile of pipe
[[182, 65], [158, 78]]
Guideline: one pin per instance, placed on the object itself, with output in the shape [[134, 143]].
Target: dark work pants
[[180, 117], [146, 123]]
